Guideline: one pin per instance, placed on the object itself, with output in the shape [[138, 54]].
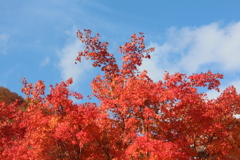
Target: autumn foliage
[[7, 96], [136, 118]]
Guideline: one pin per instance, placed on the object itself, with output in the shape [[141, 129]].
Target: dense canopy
[[136, 118]]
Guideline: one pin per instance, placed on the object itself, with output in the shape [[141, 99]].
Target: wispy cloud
[[67, 65], [3, 43], [45, 61], [194, 49]]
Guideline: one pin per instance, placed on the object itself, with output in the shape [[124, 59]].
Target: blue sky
[[38, 40]]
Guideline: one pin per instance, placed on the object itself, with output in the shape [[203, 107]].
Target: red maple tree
[[136, 118]]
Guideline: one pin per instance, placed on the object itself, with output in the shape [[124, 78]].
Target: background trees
[[135, 119], [7, 96]]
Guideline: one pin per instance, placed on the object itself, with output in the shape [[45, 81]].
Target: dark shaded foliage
[[7, 96]]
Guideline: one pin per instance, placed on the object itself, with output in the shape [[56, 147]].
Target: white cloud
[[158, 62], [3, 43], [212, 94], [45, 61], [67, 64], [193, 49], [236, 84]]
